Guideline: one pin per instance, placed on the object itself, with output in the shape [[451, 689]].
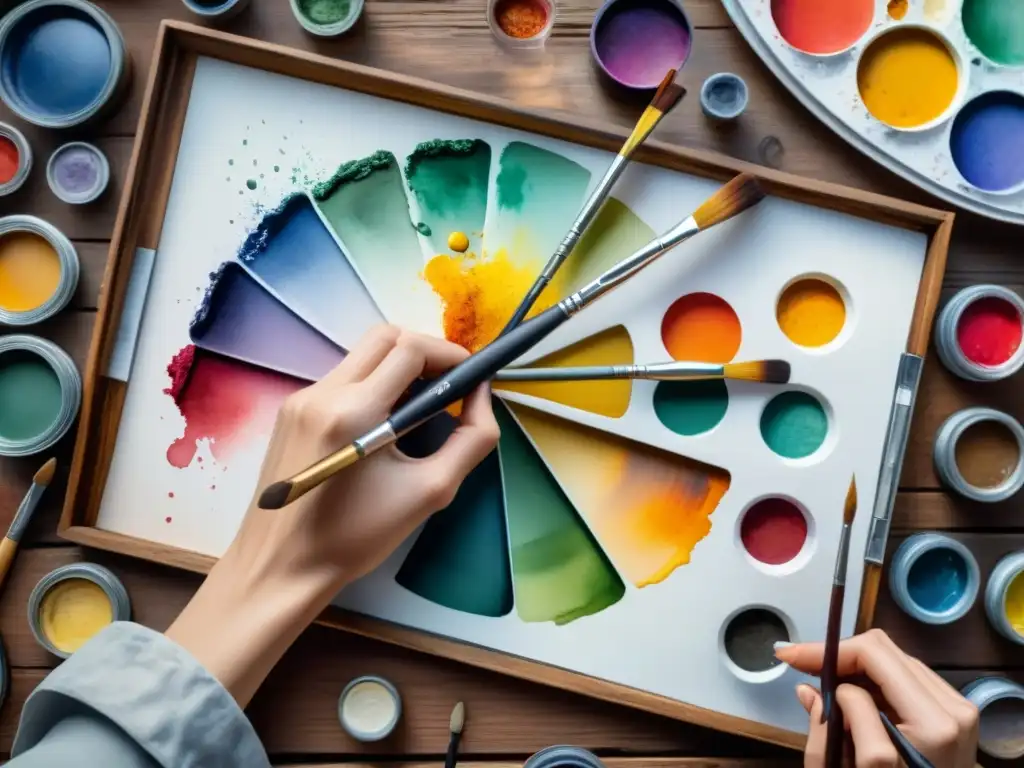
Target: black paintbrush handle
[[453, 749], [906, 749], [829, 680], [473, 371]]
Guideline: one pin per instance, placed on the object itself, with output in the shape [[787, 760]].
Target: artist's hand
[[285, 565], [940, 722]]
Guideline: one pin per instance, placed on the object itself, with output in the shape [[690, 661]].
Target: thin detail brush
[[738, 195], [667, 96], [455, 725], [9, 545], [765, 371]]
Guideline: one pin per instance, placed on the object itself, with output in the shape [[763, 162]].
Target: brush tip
[[45, 474], [668, 94], [767, 371], [736, 196], [275, 496], [458, 719], [850, 507]]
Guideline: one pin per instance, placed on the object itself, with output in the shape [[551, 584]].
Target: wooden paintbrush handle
[[7, 550]]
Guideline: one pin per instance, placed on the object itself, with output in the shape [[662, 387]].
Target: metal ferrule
[[24, 513], [377, 438], [680, 371], [839, 577]]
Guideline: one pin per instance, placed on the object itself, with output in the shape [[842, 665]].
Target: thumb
[[810, 700], [808, 697]]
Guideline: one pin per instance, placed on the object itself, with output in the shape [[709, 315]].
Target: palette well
[[928, 89]]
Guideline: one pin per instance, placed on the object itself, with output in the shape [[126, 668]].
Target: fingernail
[[778, 645], [807, 695]]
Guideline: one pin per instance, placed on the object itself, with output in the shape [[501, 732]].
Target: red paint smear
[[989, 331], [773, 531], [9, 159], [224, 401], [167, 519]]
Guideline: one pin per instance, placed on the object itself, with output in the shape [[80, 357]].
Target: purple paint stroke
[[638, 42], [987, 141]]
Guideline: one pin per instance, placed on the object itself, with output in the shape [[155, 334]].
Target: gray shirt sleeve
[[131, 698]]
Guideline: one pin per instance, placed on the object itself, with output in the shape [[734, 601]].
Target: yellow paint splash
[[479, 295], [72, 612]]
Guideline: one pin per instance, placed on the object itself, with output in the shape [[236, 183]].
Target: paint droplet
[[254, 163], [251, 183], [897, 9], [458, 242], [231, 162], [770, 150], [213, 487], [170, 494], [423, 229], [231, 221], [245, 142], [167, 519], [277, 168], [264, 122], [281, 151]]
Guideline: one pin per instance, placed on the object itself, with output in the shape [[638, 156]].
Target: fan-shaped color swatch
[[648, 508]]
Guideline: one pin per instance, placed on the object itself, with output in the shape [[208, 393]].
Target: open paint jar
[[1004, 598], [216, 10], [636, 42], [38, 270], [369, 708], [15, 159], [724, 96], [521, 24], [73, 603], [979, 331], [934, 578], [40, 393], [979, 453], [78, 172], [1000, 704], [327, 18], [62, 62], [563, 756]]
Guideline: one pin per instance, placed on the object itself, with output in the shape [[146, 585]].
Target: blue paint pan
[[62, 62]]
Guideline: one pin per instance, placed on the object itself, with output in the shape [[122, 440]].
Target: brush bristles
[[668, 94], [850, 508], [738, 195], [767, 371], [458, 719], [45, 474]]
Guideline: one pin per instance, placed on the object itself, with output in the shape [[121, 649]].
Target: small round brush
[[455, 725]]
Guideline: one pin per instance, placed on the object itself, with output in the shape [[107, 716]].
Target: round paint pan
[[979, 453], [40, 394], [72, 603], [979, 333], [38, 270], [777, 535], [910, 77], [996, 29], [78, 173], [521, 24], [327, 18], [1004, 599], [934, 578], [563, 756], [822, 29], [986, 142], [636, 42], [15, 159], [62, 62], [1000, 704], [216, 10], [369, 708], [747, 641], [724, 96]]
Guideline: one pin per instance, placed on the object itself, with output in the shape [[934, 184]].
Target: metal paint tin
[[85, 154], [944, 454], [328, 30], [23, 20], [1003, 575], [947, 343], [121, 607], [212, 10], [562, 756], [352, 728], [17, 138], [606, 13], [70, 389], [1000, 704], [69, 269], [724, 96], [907, 556], [521, 43]]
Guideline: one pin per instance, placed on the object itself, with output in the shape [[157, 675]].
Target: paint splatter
[[251, 183], [167, 519], [170, 494]]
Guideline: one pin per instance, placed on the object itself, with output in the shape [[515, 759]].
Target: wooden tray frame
[[140, 219]]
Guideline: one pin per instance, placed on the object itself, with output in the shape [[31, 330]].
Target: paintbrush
[[9, 545], [766, 371], [665, 98], [829, 678], [736, 196], [455, 725]]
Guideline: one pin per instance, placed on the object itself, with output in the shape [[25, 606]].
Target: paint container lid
[[216, 10], [56, 403], [66, 281], [934, 578], [78, 172], [120, 605], [989, 694], [563, 756], [376, 699], [724, 96], [16, 139], [1004, 577], [625, 34], [327, 18], [957, 468], [91, 75], [497, 8]]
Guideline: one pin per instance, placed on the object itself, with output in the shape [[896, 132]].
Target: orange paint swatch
[[29, 271], [701, 327]]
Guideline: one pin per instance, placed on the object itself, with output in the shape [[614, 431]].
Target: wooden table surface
[[448, 41]]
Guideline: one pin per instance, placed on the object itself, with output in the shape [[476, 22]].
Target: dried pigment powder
[[325, 11], [987, 454], [521, 19]]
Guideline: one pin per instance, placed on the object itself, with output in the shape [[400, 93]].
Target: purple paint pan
[[635, 42]]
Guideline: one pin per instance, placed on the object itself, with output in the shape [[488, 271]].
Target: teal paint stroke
[[559, 571], [794, 425], [449, 181], [538, 196], [691, 407]]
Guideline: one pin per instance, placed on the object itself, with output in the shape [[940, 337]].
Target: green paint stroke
[[365, 204], [30, 396], [996, 27], [539, 194], [615, 233], [560, 573], [449, 180], [794, 425], [691, 407]]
